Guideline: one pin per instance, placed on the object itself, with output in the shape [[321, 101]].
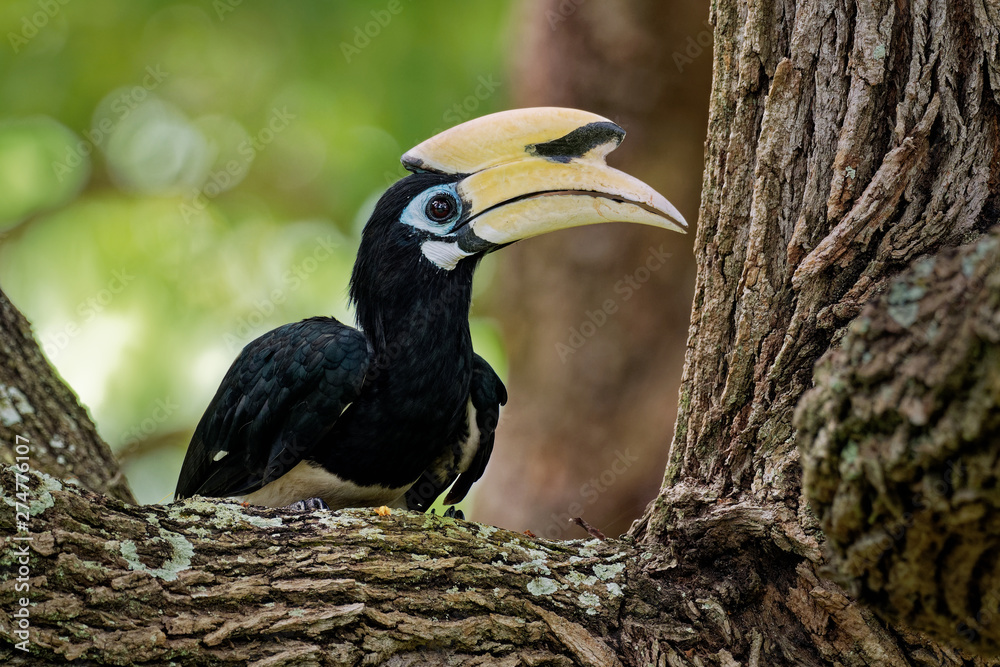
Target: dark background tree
[[595, 338], [813, 211]]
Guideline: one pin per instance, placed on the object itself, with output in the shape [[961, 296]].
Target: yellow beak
[[532, 171]]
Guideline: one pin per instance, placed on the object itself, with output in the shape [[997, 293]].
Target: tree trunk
[[812, 210], [844, 141], [900, 444]]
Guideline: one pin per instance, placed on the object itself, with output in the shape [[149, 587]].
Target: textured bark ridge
[[901, 448], [845, 141], [210, 581], [38, 409]]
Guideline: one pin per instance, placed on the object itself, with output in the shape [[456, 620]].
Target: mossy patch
[[180, 559], [542, 586]]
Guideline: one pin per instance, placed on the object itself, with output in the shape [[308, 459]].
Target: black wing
[[487, 393], [282, 394]]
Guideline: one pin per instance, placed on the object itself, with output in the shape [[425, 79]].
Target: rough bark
[[845, 140], [812, 205], [594, 319], [203, 582], [901, 448], [39, 410], [212, 582]]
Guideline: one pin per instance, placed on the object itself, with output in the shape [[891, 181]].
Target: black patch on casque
[[578, 142], [415, 165]]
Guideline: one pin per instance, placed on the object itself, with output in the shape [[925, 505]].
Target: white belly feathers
[[308, 480]]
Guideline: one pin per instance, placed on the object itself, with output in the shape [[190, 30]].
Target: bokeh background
[[177, 178]]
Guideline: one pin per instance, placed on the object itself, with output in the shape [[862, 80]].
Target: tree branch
[[36, 407], [210, 580]]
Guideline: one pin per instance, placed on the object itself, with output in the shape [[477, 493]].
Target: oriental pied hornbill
[[394, 412]]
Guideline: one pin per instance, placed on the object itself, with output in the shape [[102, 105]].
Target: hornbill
[[401, 408]]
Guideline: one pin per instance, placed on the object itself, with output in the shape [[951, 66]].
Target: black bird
[[399, 409]]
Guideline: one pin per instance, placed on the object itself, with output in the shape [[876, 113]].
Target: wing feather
[[285, 390], [487, 393]]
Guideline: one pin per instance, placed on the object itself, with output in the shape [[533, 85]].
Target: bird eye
[[440, 208]]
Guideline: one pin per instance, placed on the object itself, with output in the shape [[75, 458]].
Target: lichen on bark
[[211, 580], [900, 445]]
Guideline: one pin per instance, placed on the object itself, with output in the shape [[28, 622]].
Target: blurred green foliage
[[177, 178]]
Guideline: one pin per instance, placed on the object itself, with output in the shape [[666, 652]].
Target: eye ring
[[440, 208]]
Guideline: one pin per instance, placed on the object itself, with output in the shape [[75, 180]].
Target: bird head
[[497, 179]]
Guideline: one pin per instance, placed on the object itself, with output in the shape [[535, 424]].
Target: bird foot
[[308, 505], [451, 513]]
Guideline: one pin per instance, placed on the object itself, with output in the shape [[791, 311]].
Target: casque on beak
[[533, 171]]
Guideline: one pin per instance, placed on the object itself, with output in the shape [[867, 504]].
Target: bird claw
[[308, 505], [453, 513]]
